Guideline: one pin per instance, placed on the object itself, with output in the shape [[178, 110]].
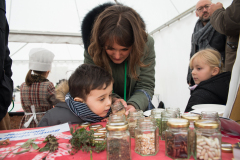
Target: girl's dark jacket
[[146, 74], [211, 91]]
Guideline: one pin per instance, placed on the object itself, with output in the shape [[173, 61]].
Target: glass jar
[[211, 115], [177, 144], [191, 119], [146, 137], [177, 110], [132, 121], [208, 140], [156, 113], [118, 138], [118, 108], [165, 115]]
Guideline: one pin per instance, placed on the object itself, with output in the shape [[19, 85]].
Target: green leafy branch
[[84, 140], [51, 146]]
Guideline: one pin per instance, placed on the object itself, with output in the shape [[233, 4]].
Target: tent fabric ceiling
[[65, 16]]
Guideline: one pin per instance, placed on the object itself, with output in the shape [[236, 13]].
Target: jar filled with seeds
[[146, 137], [191, 119], [132, 121], [208, 140], [177, 144], [156, 113], [211, 115], [118, 138], [165, 115]]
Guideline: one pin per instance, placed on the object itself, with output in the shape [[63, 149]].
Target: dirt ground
[[15, 121]]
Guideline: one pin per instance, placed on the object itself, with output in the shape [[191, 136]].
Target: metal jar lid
[[178, 123], [206, 124]]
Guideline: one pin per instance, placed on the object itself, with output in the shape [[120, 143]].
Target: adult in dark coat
[[227, 22], [6, 83], [204, 35], [211, 91]]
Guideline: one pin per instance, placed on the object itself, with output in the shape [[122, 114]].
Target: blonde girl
[[211, 84]]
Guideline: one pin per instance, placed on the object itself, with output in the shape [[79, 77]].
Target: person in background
[[37, 92], [115, 39], [204, 35], [227, 22], [6, 83], [211, 84], [85, 97]]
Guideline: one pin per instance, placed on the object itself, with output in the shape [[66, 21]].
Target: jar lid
[[85, 124], [157, 111], [99, 140], [99, 135], [95, 127], [177, 122], [191, 117], [117, 127], [102, 130], [227, 147], [208, 124]]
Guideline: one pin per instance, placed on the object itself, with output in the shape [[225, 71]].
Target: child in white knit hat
[[37, 92]]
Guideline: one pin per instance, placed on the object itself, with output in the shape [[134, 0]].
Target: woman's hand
[[129, 108], [116, 100]]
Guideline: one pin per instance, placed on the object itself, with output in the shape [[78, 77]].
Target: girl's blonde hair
[[210, 56]]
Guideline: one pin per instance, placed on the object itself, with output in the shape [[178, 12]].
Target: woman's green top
[[146, 78]]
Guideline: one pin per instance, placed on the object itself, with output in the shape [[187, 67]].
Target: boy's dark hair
[[88, 77]]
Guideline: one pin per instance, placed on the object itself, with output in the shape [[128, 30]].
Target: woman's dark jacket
[[146, 74], [211, 91]]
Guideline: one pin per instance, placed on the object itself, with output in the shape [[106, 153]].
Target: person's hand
[[213, 7], [120, 100], [129, 108]]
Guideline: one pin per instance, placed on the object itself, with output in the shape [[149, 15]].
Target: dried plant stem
[[10, 152]]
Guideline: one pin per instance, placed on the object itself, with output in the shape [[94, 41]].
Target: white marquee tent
[[55, 25]]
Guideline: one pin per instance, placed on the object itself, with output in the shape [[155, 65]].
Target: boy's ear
[[79, 99], [215, 71]]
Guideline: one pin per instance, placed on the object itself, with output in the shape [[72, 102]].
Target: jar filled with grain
[[118, 138], [132, 121], [208, 140], [146, 137], [191, 119], [177, 144], [165, 115]]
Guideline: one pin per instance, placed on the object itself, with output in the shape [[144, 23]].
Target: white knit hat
[[40, 59]]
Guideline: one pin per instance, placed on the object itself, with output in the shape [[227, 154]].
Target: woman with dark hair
[[115, 39]]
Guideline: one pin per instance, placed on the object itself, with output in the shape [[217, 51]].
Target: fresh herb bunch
[[52, 144], [84, 140]]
